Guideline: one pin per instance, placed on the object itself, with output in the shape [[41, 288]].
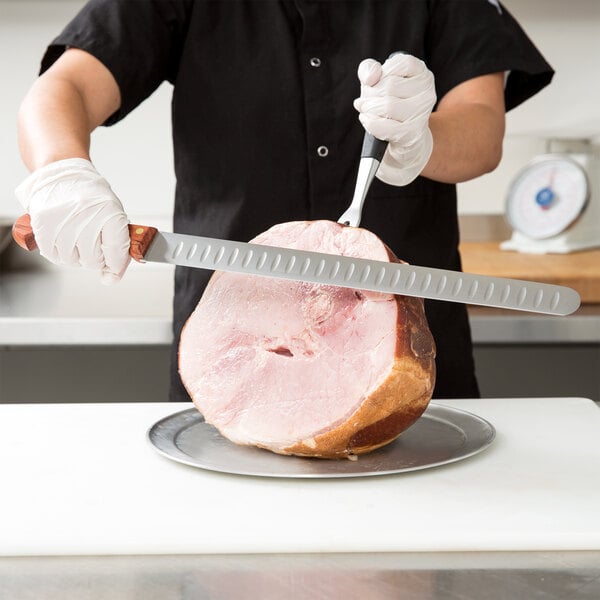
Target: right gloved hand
[[395, 103], [76, 218]]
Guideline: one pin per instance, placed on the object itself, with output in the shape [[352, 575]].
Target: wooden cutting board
[[578, 270]]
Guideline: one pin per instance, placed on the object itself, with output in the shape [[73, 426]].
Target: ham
[[305, 369]]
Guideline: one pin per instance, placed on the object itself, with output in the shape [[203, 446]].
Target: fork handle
[[373, 147]]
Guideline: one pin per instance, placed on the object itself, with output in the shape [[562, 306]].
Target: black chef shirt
[[263, 125]]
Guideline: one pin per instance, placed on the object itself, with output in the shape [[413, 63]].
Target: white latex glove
[[76, 218], [395, 102]]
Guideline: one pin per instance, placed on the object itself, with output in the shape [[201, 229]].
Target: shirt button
[[322, 151], [315, 62]]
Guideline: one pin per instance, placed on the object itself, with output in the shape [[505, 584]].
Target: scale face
[[547, 196]]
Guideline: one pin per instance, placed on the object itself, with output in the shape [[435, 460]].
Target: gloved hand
[[76, 218], [395, 102]]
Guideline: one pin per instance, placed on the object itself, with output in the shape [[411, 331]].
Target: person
[[265, 127]]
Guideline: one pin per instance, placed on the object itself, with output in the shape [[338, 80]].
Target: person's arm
[[467, 129], [76, 218], [63, 107], [460, 141]]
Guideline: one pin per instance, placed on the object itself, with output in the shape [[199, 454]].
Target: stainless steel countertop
[[495, 326], [422, 576], [62, 307]]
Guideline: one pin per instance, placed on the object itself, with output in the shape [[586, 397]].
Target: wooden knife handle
[[23, 234], [140, 237]]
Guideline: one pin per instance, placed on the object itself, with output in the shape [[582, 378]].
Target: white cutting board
[[82, 479]]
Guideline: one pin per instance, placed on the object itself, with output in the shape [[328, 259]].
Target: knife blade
[[150, 245], [357, 273]]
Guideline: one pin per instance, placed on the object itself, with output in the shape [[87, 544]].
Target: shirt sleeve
[[139, 42], [470, 38]]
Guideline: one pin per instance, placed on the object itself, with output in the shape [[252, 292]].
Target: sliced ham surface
[[308, 369]]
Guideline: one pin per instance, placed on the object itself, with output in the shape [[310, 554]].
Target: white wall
[[136, 155], [568, 35]]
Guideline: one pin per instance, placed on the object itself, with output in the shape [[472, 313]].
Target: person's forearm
[[53, 123], [76, 217], [63, 107], [467, 142]]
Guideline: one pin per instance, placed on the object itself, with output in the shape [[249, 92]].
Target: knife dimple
[[276, 262], [426, 282], [538, 298], [261, 261], [290, 264], [233, 257], [349, 272], [177, 250], [457, 286], [219, 255], [444, 281], [206, 253], [305, 266], [192, 251], [365, 273], [320, 268], [247, 258], [334, 269], [473, 289]]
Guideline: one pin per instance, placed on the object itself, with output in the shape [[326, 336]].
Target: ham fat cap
[[306, 369]]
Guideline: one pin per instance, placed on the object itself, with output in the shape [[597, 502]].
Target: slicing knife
[[149, 244]]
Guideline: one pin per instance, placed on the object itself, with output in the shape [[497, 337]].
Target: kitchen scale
[[551, 205]]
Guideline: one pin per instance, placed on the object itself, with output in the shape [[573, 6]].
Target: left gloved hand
[[395, 102]]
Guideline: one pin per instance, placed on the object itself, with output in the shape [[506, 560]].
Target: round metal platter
[[440, 436]]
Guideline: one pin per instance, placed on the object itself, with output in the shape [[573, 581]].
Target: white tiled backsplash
[[136, 155]]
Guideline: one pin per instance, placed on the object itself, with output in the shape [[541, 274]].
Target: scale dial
[[547, 196]]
